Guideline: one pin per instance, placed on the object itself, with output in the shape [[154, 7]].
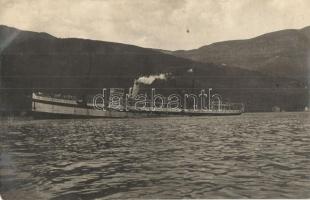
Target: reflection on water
[[264, 155]]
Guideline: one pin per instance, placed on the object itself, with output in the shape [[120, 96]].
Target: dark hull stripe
[[46, 115]]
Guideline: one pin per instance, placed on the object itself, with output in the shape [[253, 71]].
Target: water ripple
[[264, 155]]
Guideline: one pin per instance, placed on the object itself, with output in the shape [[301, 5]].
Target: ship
[[116, 103], [130, 103]]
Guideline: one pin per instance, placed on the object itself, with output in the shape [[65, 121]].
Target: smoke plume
[[148, 80]]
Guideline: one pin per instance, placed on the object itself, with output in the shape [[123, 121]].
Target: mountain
[[283, 53], [306, 31], [31, 61]]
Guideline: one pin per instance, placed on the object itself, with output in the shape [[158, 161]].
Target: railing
[[52, 99], [228, 107]]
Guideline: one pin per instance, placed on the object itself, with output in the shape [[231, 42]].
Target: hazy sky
[[165, 24]]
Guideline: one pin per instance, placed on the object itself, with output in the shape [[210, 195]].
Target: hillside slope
[[31, 61], [283, 53]]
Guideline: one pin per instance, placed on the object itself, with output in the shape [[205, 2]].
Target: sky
[[163, 24]]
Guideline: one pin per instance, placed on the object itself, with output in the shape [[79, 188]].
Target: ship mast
[[1, 74], [90, 66], [88, 76], [86, 83]]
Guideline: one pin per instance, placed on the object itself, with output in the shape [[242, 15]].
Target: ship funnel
[[130, 91], [135, 89]]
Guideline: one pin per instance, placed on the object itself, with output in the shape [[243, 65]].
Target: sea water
[[255, 155]]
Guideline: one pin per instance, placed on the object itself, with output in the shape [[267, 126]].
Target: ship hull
[[44, 108]]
